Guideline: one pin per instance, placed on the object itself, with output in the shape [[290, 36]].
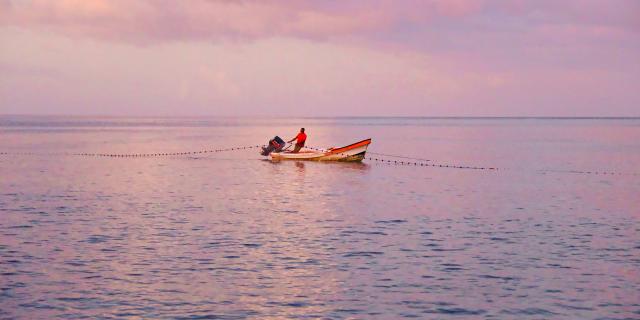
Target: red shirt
[[301, 137]]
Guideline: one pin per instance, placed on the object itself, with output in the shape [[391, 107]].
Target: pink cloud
[[376, 55], [150, 21], [198, 19], [452, 26]]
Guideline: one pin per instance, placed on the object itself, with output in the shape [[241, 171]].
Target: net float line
[[132, 155], [420, 162], [453, 166], [433, 165]]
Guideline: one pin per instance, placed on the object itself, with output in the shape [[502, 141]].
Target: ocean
[[552, 232]]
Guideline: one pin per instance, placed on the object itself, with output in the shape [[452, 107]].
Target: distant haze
[[320, 58]]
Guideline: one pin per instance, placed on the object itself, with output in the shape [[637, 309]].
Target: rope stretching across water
[[421, 162], [397, 156], [132, 155]]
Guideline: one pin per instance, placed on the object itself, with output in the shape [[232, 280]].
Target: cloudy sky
[[320, 58]]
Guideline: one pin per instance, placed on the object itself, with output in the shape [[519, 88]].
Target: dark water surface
[[230, 236]]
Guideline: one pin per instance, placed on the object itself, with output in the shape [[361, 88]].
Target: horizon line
[[321, 117]]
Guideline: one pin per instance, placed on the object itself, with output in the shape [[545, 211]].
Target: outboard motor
[[275, 145]]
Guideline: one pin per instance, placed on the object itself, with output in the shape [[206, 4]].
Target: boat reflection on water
[[351, 165], [337, 165]]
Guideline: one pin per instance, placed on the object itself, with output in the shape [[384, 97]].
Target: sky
[[320, 58]]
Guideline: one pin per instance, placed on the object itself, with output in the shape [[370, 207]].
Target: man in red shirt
[[301, 137]]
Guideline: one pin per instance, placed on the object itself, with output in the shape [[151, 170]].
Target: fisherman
[[301, 137]]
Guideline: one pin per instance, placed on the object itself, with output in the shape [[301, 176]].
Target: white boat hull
[[353, 152]]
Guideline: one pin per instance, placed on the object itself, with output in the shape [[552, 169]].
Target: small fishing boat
[[352, 152]]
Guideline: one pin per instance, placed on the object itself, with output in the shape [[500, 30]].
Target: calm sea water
[[231, 236]]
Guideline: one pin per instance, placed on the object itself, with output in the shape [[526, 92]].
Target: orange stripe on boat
[[349, 147]]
